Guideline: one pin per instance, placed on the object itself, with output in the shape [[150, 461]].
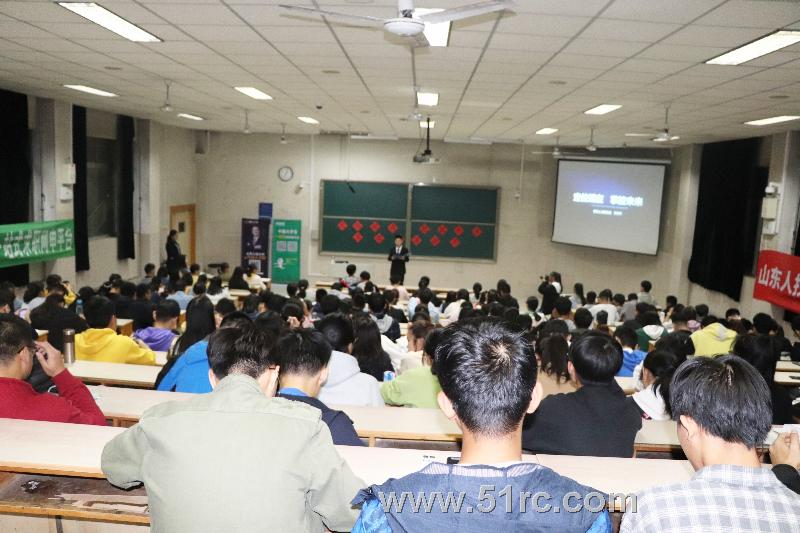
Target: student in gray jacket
[[236, 459]]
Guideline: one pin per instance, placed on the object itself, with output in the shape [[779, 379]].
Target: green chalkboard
[[445, 221], [458, 222]]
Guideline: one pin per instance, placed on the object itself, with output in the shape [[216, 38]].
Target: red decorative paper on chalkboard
[[454, 242], [458, 230], [392, 227], [379, 238], [416, 240], [424, 229], [358, 238], [435, 241], [342, 225], [442, 229], [374, 227], [357, 225], [476, 232]]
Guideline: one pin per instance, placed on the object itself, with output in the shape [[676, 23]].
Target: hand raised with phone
[[52, 360]]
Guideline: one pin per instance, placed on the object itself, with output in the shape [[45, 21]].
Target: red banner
[[778, 280]]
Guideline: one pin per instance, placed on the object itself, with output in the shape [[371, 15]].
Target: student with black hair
[[604, 304], [363, 278], [562, 310], [351, 280], [253, 305], [532, 304], [583, 319], [629, 308], [386, 324], [488, 380], [237, 281], [187, 363], [672, 303], [254, 280], [346, 384], [631, 356], [591, 299], [418, 330], [763, 352], [141, 308], [551, 351], [73, 404], [161, 335], [504, 294], [453, 309], [33, 297], [398, 256], [577, 298], [722, 407], [149, 273], [212, 448], [657, 370], [595, 420], [795, 352], [7, 300], [701, 310], [424, 297], [393, 308], [644, 293], [475, 295], [650, 329], [215, 291], [417, 386], [54, 317], [367, 348], [303, 356], [177, 292], [713, 338], [101, 343], [222, 309]]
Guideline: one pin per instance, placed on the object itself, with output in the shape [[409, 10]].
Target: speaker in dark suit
[[399, 256]]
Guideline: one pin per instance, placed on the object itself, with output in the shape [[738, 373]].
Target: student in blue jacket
[[488, 377]]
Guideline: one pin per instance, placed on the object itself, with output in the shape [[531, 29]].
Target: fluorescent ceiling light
[[190, 117], [428, 99], [424, 124], [105, 18], [602, 109], [90, 90], [252, 92], [470, 140], [771, 120], [374, 137], [308, 120], [437, 34], [547, 131], [763, 46]]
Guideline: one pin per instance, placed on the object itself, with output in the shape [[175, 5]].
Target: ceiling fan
[[406, 24], [663, 136], [555, 152]]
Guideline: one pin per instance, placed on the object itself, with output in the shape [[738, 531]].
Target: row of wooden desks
[[34, 457]]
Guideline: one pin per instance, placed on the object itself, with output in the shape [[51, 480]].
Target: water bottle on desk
[[79, 307], [388, 375], [69, 347]]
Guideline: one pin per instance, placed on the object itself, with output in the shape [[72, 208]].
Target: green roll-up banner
[[285, 251], [36, 241]]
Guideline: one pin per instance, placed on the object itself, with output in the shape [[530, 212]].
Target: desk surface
[[115, 373], [788, 379], [73, 449], [627, 384], [788, 366]]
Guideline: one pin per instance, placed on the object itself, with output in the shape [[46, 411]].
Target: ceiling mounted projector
[[406, 24]]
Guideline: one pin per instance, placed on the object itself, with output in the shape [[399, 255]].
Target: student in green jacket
[[417, 387], [237, 459]]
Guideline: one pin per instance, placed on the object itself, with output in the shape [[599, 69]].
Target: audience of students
[[763, 352], [236, 459], [53, 317], [302, 356], [18, 399], [488, 385], [722, 407], [596, 419], [102, 343]]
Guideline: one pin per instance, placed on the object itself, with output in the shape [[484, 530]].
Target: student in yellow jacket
[[101, 342], [714, 339]]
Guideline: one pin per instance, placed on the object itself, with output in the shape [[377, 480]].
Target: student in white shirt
[[604, 304], [453, 309], [254, 281], [657, 370]]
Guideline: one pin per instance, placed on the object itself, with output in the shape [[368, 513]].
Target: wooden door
[[182, 218]]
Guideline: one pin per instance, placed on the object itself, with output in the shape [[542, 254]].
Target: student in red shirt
[[18, 399]]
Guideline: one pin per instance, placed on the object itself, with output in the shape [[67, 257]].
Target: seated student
[[194, 271], [177, 292], [142, 308], [386, 324], [562, 310], [763, 352], [591, 299], [713, 339], [123, 301], [504, 294], [604, 299], [363, 278], [303, 357], [595, 420], [657, 370], [397, 285], [350, 281], [33, 297], [651, 329], [631, 356], [578, 299], [393, 309], [628, 311], [785, 456], [425, 298], [583, 319], [159, 337], [488, 378], [237, 281], [416, 334], [73, 404], [215, 291], [644, 295], [722, 407], [367, 348], [237, 459], [416, 387], [551, 351], [346, 384], [453, 309], [149, 274], [795, 353], [254, 281], [101, 343], [55, 318], [549, 295], [187, 366]]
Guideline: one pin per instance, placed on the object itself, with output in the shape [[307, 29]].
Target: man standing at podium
[[399, 257]]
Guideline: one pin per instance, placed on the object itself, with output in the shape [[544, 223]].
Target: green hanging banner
[[36, 241], [285, 251]]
